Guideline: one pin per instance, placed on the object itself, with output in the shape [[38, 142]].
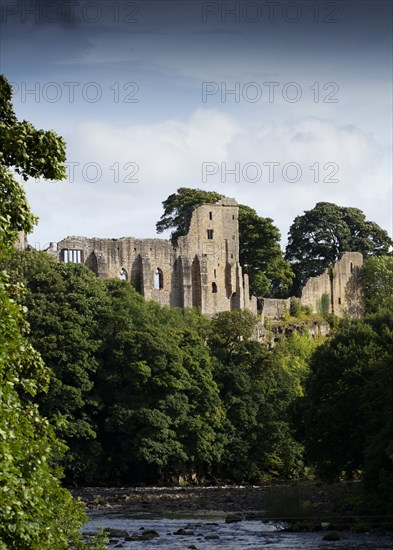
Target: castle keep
[[202, 269]]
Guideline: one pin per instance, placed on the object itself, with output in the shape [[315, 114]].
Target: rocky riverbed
[[230, 518]]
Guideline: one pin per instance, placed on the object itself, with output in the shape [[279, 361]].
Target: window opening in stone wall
[[339, 301], [351, 267], [158, 279], [215, 273], [123, 275], [210, 233], [74, 256], [210, 215], [214, 288], [233, 217], [196, 283]]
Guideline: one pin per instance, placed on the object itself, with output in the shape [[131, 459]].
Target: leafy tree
[[349, 407], [256, 392], [378, 283], [35, 512], [67, 310], [178, 208], [320, 236], [160, 410], [260, 254]]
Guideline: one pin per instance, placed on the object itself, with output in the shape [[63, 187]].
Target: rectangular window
[[74, 256], [210, 233], [210, 215]]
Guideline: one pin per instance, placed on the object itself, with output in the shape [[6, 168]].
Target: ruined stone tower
[[202, 270]]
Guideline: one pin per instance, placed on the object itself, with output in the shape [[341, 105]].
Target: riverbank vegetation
[[154, 395]]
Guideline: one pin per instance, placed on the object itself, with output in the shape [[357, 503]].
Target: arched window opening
[[214, 288], [123, 275], [158, 279]]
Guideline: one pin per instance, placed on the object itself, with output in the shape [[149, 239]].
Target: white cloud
[[170, 155]]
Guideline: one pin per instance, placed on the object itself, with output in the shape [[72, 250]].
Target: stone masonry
[[201, 270], [341, 285]]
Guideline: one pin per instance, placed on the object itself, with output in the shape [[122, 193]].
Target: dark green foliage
[[320, 236], [145, 397], [261, 256], [378, 283], [295, 308], [349, 407], [67, 307], [160, 405], [256, 392]]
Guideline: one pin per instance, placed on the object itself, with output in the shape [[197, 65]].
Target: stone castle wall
[[201, 270], [341, 285]]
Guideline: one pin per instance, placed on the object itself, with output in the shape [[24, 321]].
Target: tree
[[349, 407], [35, 512], [320, 236], [256, 392], [159, 410], [67, 309], [259, 240], [378, 283], [178, 208], [261, 256]]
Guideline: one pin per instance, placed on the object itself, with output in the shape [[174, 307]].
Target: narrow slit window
[[214, 288], [210, 234], [210, 215], [158, 279]]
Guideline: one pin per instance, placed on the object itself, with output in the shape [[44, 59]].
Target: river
[[198, 518], [210, 531]]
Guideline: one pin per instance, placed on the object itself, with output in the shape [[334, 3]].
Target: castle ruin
[[202, 268]]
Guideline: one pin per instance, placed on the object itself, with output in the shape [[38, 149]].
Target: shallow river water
[[210, 531]]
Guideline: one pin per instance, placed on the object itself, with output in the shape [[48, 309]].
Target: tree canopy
[[261, 256], [321, 235]]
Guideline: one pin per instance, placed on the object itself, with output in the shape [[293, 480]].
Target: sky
[[278, 104]]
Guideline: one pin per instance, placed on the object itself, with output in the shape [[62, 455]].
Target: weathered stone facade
[[201, 270], [339, 286]]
